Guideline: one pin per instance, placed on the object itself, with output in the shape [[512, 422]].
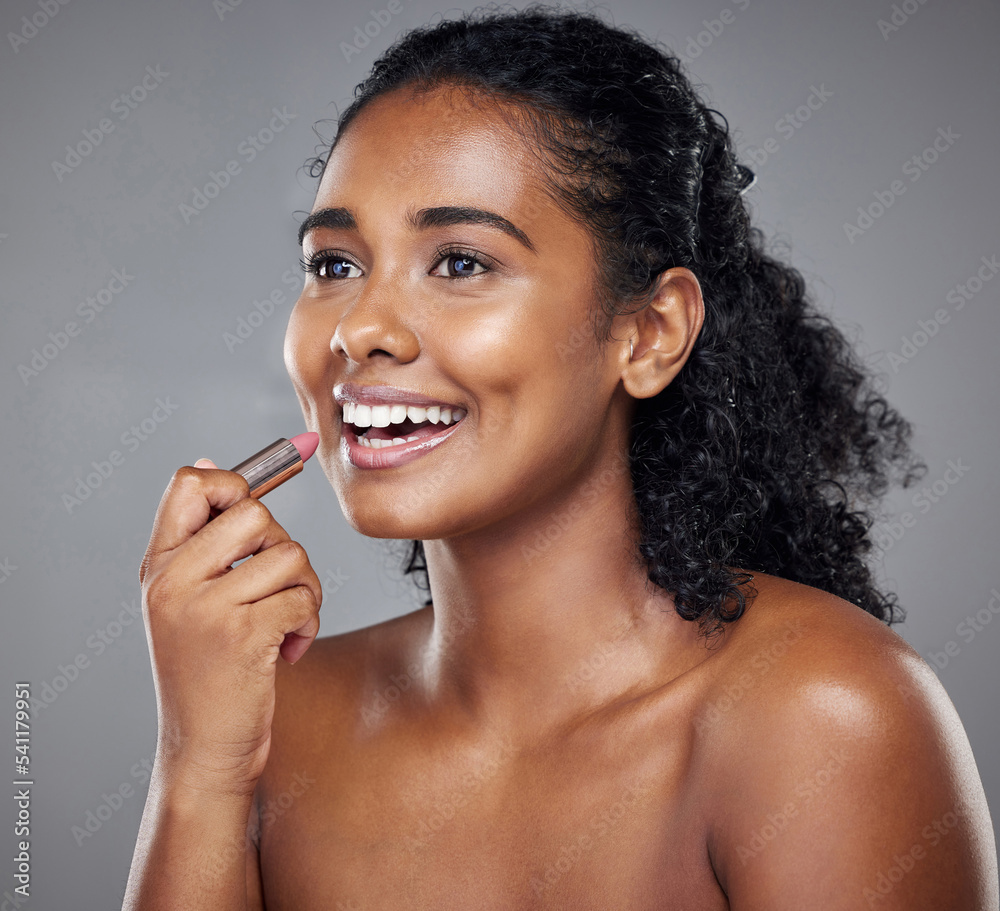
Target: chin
[[373, 521]]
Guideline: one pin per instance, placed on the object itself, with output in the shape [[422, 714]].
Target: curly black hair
[[772, 447]]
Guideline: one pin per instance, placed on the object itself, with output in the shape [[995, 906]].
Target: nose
[[377, 322]]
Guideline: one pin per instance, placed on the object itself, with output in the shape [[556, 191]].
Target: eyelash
[[314, 263]]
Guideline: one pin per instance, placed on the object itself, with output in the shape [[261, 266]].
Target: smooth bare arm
[[215, 633], [254, 881], [191, 852]]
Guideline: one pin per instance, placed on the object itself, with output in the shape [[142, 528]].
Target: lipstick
[[276, 463]]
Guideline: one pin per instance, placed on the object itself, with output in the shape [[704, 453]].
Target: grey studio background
[[179, 352]]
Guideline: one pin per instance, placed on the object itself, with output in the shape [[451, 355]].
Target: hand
[[215, 631]]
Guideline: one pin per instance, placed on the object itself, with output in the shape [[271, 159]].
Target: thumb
[[205, 463]]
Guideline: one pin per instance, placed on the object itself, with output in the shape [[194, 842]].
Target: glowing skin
[[460, 753], [546, 409], [550, 734], [486, 342]]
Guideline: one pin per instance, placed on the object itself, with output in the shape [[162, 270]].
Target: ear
[[662, 333]]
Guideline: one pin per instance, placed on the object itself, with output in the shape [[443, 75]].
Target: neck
[[552, 614]]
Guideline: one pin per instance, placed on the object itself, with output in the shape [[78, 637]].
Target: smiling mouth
[[385, 426]]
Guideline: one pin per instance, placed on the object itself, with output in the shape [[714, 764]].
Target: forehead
[[445, 145]]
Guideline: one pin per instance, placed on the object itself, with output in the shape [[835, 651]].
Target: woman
[[637, 470]]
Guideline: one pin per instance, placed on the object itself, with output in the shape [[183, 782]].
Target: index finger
[[192, 497]]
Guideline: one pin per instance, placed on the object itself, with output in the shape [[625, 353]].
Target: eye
[[460, 263], [328, 265]]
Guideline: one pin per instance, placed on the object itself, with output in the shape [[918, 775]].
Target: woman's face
[[414, 288]]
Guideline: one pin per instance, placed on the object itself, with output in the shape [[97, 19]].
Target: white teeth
[[382, 444], [384, 415], [380, 415]]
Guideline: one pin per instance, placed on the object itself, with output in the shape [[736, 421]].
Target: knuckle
[[303, 598], [187, 477], [240, 482], [252, 513], [157, 588], [291, 553], [307, 594]]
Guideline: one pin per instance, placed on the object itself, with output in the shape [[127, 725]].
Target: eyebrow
[[436, 217]]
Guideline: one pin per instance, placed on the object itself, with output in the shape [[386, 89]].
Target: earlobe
[[663, 333]]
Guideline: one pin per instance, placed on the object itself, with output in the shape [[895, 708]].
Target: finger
[[293, 616], [208, 463], [245, 529], [296, 644], [282, 566], [186, 506]]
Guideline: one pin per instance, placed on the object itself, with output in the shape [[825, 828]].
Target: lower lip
[[361, 456]]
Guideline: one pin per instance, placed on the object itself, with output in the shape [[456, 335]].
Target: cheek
[[306, 349], [538, 383]]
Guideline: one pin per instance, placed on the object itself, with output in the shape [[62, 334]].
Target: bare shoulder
[[794, 629], [851, 779], [801, 659]]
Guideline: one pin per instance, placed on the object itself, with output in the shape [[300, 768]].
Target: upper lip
[[384, 395]]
